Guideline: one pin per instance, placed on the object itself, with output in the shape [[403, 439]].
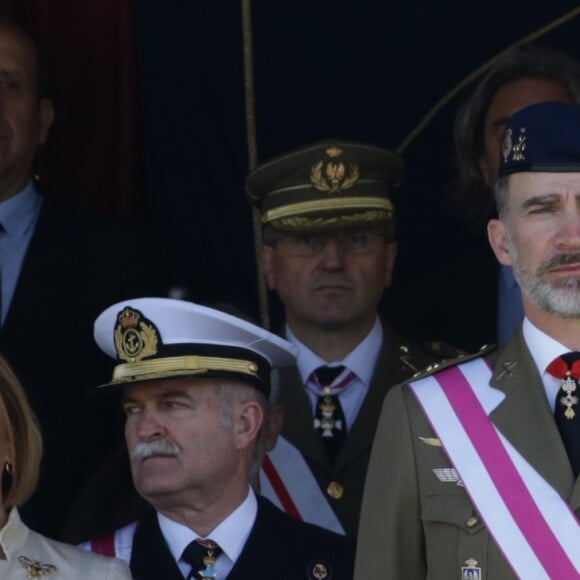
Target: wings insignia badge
[[433, 441]]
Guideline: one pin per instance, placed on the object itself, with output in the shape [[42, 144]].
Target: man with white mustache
[[474, 470], [328, 253], [161, 448], [194, 384]]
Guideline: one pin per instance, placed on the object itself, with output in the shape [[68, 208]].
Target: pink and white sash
[[286, 480], [535, 529]]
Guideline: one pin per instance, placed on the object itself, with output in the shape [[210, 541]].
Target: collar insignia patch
[[507, 370]]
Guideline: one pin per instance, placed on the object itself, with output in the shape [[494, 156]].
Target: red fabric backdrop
[[90, 161]]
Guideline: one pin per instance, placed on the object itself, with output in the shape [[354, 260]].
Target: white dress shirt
[[544, 349], [361, 361], [231, 536]]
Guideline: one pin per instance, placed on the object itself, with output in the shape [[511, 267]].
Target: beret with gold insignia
[[326, 185], [159, 338], [542, 137]]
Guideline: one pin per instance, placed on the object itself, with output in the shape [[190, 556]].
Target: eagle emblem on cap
[[135, 336], [332, 174]]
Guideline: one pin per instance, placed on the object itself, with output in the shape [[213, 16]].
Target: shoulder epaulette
[[458, 358]]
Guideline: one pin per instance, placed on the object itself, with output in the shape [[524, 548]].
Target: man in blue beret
[[474, 470]]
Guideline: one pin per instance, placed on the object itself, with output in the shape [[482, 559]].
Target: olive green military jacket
[[343, 482], [413, 525]]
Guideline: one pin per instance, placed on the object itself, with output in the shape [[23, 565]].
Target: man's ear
[[497, 234], [268, 265], [248, 419]]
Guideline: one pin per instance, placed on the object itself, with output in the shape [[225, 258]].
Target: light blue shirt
[[361, 361], [18, 216], [510, 311]]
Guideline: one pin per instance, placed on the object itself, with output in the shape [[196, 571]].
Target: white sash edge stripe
[[555, 511], [478, 483], [124, 542], [301, 486]]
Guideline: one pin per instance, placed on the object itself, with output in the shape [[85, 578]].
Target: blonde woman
[[23, 552]]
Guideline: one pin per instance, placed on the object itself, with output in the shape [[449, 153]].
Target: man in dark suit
[[194, 384], [474, 471], [58, 270], [328, 253]]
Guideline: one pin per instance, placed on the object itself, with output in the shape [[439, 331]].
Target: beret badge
[[515, 150], [507, 144], [332, 174], [135, 336]]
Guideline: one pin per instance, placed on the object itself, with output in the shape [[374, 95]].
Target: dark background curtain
[[151, 123]]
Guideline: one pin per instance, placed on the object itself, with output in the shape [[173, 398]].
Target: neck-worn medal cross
[[569, 373]]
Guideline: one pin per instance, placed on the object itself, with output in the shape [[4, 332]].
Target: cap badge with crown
[[331, 174], [135, 336]]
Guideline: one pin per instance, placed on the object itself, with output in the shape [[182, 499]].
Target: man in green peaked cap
[[328, 253]]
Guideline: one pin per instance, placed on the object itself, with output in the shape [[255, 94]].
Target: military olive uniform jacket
[[415, 526], [398, 360]]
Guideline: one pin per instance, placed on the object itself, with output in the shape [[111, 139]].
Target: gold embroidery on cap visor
[[179, 366], [292, 216], [304, 223]]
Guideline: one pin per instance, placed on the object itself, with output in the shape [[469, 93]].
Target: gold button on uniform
[[335, 490], [472, 521]]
